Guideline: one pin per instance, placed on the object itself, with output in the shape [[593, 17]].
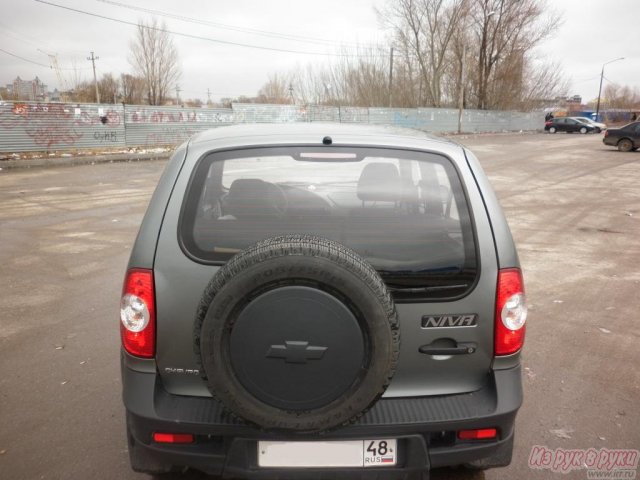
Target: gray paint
[[180, 281], [505, 246], [143, 252]]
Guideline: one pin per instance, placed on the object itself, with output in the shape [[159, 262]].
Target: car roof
[[312, 132], [631, 124]]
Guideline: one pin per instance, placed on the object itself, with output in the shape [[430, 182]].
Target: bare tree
[[621, 97], [447, 53], [83, 92], [275, 91], [133, 89], [109, 86], [364, 78], [155, 58], [314, 84], [193, 103], [504, 32], [358, 78], [407, 87], [424, 31], [491, 39], [542, 82]]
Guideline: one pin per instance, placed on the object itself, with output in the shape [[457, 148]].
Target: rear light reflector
[[511, 312], [137, 313], [481, 434], [159, 437], [329, 156]]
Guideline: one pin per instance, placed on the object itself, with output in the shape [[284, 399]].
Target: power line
[[25, 59], [587, 79], [218, 94], [254, 31], [34, 41], [17, 36], [197, 37], [37, 63]]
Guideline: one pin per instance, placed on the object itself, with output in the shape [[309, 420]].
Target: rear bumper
[[425, 427]]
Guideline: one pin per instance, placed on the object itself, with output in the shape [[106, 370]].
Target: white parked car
[[599, 126]]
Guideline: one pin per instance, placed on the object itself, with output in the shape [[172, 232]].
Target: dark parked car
[[315, 301], [569, 125], [626, 138]]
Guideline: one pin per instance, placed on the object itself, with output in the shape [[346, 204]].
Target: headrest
[[379, 182], [251, 197]]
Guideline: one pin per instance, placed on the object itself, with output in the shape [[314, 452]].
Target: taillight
[[137, 313], [606, 133], [480, 434], [511, 312], [159, 437], [547, 124]]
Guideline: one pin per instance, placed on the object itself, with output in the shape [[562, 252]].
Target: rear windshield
[[405, 212]]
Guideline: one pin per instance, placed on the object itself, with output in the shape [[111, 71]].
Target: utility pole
[[95, 79], [124, 88], [600, 89], [291, 93], [208, 96], [461, 89], [178, 94], [390, 75]]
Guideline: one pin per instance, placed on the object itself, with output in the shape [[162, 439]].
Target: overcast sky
[[594, 32]]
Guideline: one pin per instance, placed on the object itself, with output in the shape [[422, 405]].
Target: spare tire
[[297, 333]]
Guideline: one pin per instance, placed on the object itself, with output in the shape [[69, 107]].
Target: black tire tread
[[309, 245], [625, 140]]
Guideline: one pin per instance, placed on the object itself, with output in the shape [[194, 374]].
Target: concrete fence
[[29, 126]]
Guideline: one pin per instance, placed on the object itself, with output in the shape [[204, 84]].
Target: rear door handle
[[462, 348]]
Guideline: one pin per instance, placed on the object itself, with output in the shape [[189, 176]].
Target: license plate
[[347, 453]]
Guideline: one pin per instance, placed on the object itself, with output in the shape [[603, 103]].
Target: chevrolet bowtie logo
[[296, 352]]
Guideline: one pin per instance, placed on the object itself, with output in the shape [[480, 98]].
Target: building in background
[[27, 89], [55, 96]]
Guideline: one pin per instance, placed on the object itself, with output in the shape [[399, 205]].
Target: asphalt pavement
[[66, 232]]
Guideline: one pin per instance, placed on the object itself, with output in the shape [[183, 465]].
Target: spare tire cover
[[297, 333]]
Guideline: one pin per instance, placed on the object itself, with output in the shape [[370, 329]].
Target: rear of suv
[[309, 300]]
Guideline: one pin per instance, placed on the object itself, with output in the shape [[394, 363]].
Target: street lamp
[[600, 89]]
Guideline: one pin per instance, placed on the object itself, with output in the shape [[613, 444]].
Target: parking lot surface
[[574, 209]]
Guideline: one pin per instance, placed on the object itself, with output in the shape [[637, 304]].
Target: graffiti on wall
[[46, 125], [106, 137], [54, 125], [169, 136], [149, 115], [26, 126], [258, 113]]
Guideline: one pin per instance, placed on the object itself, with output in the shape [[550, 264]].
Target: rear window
[[405, 212]]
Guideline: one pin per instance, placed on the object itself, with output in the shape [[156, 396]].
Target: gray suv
[[314, 300]]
